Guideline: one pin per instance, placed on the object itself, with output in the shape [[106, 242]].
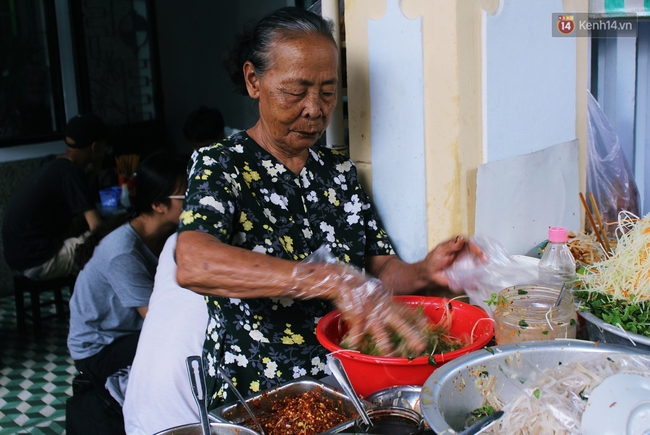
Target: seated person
[[40, 212], [158, 394], [203, 127], [111, 295]]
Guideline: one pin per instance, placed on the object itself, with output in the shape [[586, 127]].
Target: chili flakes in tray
[[309, 413], [303, 406]]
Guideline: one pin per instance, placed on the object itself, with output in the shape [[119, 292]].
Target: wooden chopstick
[[600, 222], [593, 224], [127, 164]]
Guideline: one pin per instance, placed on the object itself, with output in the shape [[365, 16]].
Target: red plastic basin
[[369, 374]]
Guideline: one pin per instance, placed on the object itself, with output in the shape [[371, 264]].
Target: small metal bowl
[[392, 420], [403, 396]]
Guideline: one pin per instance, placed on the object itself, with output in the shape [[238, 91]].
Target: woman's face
[[298, 92]]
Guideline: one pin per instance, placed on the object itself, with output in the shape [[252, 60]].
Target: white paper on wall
[[519, 198]]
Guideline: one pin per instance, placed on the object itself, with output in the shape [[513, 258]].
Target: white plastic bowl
[[618, 406]]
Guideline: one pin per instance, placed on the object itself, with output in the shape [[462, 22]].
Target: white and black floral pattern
[[244, 196]]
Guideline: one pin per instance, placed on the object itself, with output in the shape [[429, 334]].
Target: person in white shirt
[[158, 394]]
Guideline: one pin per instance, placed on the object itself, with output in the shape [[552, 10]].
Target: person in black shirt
[[41, 210]]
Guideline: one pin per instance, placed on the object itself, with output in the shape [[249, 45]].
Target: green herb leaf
[[572, 322], [497, 299], [632, 317], [489, 349], [545, 332], [483, 411], [523, 324], [522, 292], [536, 393]]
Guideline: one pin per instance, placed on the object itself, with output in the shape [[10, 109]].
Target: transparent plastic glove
[[365, 303]]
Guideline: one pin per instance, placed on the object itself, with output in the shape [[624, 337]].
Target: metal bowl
[[215, 429], [599, 330], [403, 396], [449, 395]]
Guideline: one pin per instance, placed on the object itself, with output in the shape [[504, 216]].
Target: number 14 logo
[[566, 24]]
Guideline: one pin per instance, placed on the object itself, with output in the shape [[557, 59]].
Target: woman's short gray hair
[[255, 45]]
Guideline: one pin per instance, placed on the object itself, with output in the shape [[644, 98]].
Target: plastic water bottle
[[557, 265]]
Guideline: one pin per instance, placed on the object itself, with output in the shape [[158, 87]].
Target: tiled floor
[[35, 375]]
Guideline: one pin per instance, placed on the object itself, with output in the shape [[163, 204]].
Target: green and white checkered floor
[[35, 375]]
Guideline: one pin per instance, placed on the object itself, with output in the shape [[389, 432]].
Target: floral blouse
[[245, 197]]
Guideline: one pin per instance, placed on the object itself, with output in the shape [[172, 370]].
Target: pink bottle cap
[[557, 235]]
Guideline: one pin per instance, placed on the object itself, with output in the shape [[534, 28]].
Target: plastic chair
[[35, 289]]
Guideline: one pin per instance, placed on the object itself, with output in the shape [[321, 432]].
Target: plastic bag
[[609, 177], [479, 280]]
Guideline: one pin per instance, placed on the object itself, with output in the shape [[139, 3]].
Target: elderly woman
[[260, 202]]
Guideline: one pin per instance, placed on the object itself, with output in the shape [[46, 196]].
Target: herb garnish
[[497, 299], [483, 411]]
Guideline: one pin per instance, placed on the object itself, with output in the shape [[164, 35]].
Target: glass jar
[[527, 312]]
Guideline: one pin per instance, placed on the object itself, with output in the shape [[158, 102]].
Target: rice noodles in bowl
[[541, 386]]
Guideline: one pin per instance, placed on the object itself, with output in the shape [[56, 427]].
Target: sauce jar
[[527, 312]]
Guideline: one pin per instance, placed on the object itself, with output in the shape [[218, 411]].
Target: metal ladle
[[338, 371], [197, 380]]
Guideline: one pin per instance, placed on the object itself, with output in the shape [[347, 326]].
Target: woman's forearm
[[209, 266], [406, 278], [401, 277]]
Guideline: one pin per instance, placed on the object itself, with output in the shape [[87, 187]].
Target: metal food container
[[261, 402], [599, 330], [215, 429], [449, 395], [405, 396]]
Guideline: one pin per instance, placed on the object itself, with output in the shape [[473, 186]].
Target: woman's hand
[[366, 306], [370, 310], [444, 255]]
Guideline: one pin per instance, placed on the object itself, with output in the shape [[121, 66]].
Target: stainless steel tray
[[263, 401]]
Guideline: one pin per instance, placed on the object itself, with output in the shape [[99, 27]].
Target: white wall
[[397, 113], [530, 80], [529, 106]]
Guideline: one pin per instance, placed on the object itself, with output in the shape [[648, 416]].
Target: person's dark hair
[[84, 129], [204, 124], [158, 176], [256, 44]]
